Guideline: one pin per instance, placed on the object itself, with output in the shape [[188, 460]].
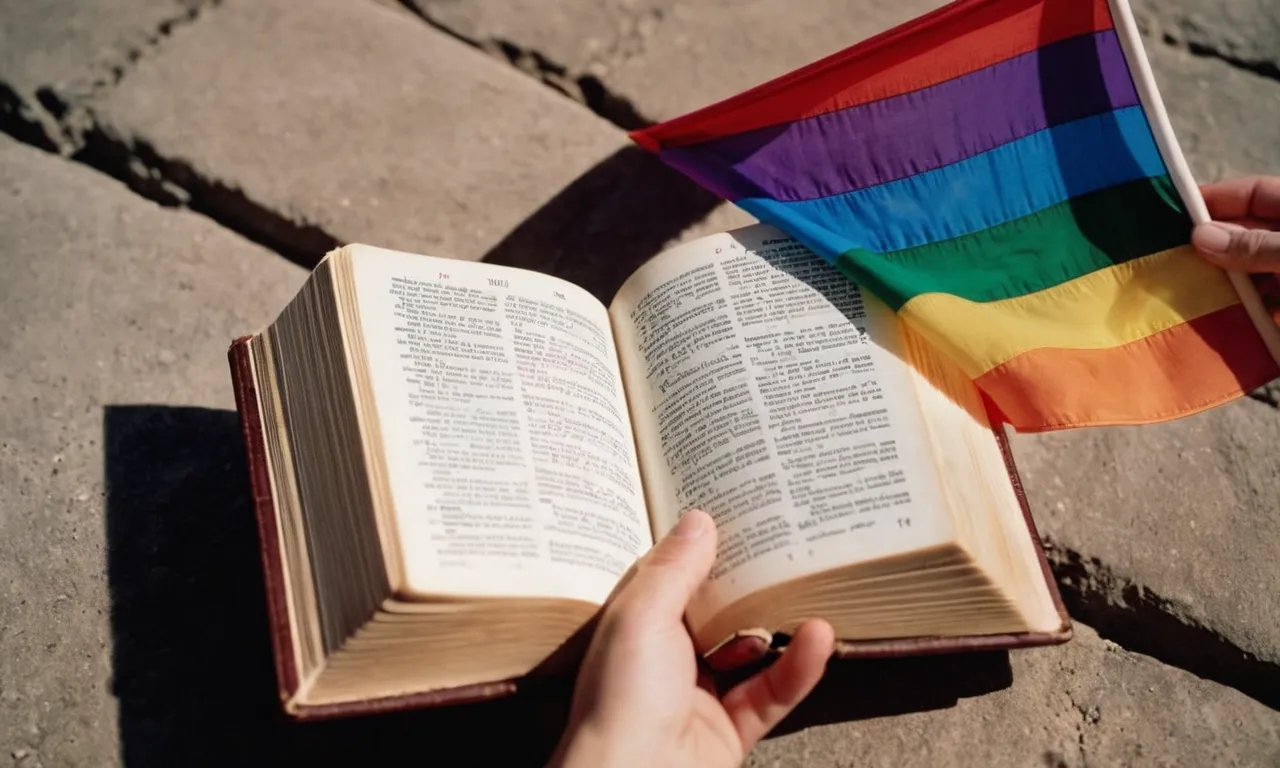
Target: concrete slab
[[1086, 703], [57, 52], [669, 57], [1183, 517], [132, 630], [132, 623], [107, 301], [1246, 32], [356, 119], [705, 51], [574, 34], [1225, 118], [71, 43]]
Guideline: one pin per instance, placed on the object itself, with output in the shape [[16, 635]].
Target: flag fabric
[[991, 172]]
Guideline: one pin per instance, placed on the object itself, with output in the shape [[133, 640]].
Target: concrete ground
[[171, 167]]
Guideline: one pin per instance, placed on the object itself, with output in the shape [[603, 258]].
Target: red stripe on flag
[[952, 41]]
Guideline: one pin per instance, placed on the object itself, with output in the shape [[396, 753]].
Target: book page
[[764, 389], [508, 445]]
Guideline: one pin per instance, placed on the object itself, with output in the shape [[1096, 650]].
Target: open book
[[456, 462]]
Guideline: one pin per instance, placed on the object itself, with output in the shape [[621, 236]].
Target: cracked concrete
[[667, 57], [1225, 117], [1138, 619], [574, 78], [1090, 703], [1184, 510], [353, 120], [177, 182], [107, 300], [1244, 33], [589, 38], [54, 55], [348, 118]]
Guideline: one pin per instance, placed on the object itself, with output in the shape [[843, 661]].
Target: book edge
[[467, 694], [281, 630], [921, 646], [997, 430], [246, 394]]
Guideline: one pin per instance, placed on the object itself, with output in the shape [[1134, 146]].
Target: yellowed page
[[764, 388], [509, 449]]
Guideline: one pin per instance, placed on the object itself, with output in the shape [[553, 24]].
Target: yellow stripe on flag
[[1108, 308]]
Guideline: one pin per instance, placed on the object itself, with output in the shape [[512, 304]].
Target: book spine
[[264, 510]]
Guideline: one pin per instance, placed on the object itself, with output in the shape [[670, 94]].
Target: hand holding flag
[[1003, 175], [1243, 236]]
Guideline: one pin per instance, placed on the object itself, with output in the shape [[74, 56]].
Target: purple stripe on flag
[[902, 136]]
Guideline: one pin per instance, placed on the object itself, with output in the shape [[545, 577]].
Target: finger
[[1253, 196], [756, 705], [666, 578], [621, 586], [1234, 247], [1248, 222]]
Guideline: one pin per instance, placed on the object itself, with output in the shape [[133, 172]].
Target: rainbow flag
[[1002, 174]]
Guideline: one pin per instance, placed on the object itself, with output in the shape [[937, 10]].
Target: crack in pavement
[[28, 123], [63, 122], [54, 117], [583, 87], [1209, 50], [173, 182], [163, 31], [1088, 717], [1141, 621], [1260, 67], [1188, 33], [1268, 394]]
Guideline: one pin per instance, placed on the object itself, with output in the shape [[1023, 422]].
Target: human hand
[[641, 698], [1242, 236]]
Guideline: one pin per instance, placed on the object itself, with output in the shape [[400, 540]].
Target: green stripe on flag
[[1047, 248]]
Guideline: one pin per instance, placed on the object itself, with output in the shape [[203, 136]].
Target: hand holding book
[[457, 463], [641, 689]]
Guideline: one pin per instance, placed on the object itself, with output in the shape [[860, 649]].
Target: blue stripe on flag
[[1011, 181]]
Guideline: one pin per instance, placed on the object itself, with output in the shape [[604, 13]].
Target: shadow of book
[[860, 689], [192, 665], [603, 226]]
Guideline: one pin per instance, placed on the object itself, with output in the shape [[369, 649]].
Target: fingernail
[[692, 525], [1212, 238]]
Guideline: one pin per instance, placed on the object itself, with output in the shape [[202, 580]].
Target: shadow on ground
[[609, 221], [192, 661]]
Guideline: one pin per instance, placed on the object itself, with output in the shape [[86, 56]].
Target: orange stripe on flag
[[1177, 372], [954, 40]]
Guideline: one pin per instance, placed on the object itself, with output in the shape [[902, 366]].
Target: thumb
[[666, 578], [1233, 247]]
